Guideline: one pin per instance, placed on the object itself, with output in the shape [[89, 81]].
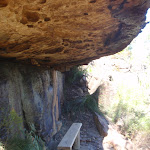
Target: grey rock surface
[[35, 94]]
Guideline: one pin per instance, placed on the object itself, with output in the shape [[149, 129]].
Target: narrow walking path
[[90, 138], [89, 135]]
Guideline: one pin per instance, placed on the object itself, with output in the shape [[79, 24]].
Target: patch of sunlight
[[140, 45], [148, 15]]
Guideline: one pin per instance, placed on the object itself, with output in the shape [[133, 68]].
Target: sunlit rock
[[61, 34]]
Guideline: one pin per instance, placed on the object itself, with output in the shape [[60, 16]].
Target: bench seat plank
[[69, 138]]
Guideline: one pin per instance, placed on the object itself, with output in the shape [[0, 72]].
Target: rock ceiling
[[63, 33]]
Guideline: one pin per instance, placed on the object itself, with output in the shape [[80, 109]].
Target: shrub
[[30, 141], [81, 104], [17, 137], [91, 104], [12, 124], [74, 75], [130, 105]]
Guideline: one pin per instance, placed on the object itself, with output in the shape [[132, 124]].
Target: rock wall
[[35, 95]]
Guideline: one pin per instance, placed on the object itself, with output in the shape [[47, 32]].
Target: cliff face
[[64, 33], [34, 94]]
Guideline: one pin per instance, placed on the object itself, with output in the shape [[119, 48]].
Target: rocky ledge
[[61, 34]]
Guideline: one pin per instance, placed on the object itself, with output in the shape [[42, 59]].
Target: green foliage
[[91, 104], [130, 106], [30, 141], [88, 102], [90, 68], [19, 144], [12, 124], [19, 138], [125, 54], [75, 74]]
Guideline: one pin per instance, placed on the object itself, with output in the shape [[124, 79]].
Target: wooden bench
[[71, 138]]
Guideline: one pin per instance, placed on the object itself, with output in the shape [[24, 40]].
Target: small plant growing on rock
[[130, 106], [19, 138]]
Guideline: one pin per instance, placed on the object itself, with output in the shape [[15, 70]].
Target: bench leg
[[77, 142]]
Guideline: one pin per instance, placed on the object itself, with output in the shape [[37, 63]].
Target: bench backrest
[[70, 136]]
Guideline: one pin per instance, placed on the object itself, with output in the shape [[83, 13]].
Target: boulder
[[101, 124]]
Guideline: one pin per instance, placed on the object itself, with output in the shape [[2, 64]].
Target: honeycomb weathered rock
[[69, 32]]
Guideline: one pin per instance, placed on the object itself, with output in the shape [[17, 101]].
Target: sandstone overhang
[[64, 33]]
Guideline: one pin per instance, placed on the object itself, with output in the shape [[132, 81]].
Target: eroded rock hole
[[30, 25], [42, 1], [32, 16], [93, 1], [3, 3], [46, 19], [40, 22], [85, 13]]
